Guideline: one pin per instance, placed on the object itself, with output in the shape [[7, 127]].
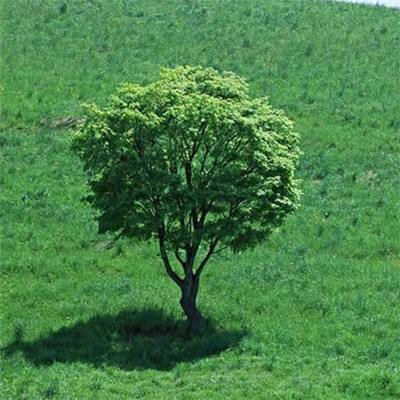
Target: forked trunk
[[189, 285], [188, 302]]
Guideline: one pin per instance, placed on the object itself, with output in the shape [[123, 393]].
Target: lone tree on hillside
[[193, 162]]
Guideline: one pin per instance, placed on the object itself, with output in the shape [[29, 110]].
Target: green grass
[[312, 314]]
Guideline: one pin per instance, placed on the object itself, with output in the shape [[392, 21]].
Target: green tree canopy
[[193, 162]]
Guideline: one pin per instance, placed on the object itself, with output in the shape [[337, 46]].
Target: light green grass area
[[311, 314]]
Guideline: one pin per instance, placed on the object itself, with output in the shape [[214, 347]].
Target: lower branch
[[210, 252], [172, 274]]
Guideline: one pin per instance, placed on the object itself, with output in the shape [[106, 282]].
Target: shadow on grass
[[129, 340]]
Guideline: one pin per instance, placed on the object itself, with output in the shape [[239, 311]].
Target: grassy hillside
[[311, 314]]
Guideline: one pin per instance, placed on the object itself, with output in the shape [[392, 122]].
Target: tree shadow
[[129, 340]]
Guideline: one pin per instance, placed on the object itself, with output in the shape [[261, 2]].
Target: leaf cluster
[[192, 158]]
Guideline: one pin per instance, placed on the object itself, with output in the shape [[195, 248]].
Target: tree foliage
[[192, 161]]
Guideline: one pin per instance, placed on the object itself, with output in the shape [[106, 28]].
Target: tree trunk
[[188, 302]]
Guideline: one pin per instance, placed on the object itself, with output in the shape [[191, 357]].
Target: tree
[[193, 162]]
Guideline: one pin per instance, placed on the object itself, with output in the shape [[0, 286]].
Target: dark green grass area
[[311, 314]]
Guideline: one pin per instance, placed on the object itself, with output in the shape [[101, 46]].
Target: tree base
[[197, 324]]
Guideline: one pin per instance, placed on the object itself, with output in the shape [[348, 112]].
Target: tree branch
[[210, 252], [173, 275], [180, 259], [205, 209]]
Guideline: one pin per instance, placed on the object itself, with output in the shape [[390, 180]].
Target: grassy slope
[[312, 314]]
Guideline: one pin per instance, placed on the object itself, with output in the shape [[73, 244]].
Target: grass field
[[311, 314]]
